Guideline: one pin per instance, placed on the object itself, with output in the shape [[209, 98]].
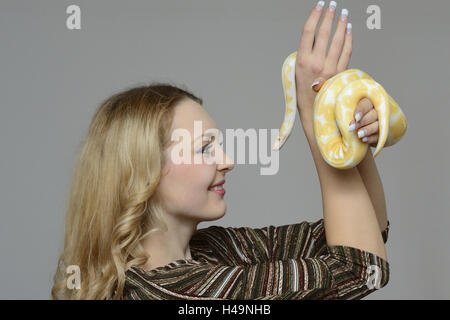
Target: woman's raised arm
[[349, 216]]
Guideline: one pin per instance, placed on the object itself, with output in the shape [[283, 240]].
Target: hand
[[313, 63], [368, 121]]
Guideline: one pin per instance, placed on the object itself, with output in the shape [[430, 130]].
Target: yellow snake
[[334, 108]]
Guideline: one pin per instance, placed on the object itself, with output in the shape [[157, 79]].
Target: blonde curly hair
[[113, 200]]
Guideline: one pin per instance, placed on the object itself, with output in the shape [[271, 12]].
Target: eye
[[207, 146]]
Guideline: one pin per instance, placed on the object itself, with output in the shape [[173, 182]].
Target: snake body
[[333, 110]]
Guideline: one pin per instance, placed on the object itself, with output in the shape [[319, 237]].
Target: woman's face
[[184, 186]]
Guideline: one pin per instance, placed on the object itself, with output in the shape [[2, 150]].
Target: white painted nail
[[344, 14], [361, 133], [365, 139], [352, 127], [314, 83], [358, 116], [320, 5], [349, 28], [332, 5]]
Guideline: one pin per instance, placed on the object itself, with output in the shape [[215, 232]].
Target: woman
[[133, 213]]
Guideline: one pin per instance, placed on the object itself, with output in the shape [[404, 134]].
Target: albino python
[[334, 107]]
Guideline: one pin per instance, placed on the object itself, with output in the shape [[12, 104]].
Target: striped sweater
[[275, 262]]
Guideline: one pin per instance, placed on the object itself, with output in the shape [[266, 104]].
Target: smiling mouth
[[218, 189]]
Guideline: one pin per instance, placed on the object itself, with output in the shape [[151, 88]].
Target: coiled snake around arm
[[334, 107]]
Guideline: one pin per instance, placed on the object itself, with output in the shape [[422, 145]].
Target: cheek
[[190, 182]]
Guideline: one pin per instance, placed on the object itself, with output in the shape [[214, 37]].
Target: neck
[[165, 247]]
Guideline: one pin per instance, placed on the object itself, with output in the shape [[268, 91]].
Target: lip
[[217, 184], [221, 192]]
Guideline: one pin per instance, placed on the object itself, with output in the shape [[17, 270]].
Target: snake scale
[[333, 110]]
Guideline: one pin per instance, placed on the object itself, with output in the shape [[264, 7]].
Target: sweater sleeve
[[270, 270], [245, 245], [343, 273]]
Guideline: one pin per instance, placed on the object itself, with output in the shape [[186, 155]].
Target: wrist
[[305, 104], [306, 118]]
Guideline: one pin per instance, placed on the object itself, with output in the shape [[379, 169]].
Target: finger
[[338, 41], [374, 144], [368, 118], [317, 84], [368, 130], [309, 29], [323, 35], [371, 140], [363, 107], [346, 53]]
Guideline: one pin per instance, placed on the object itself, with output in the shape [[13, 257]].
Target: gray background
[[229, 53]]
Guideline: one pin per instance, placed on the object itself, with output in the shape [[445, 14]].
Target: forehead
[[189, 111]]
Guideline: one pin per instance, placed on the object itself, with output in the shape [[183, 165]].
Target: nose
[[226, 164]]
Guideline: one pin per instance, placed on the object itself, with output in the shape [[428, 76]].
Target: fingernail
[[332, 6], [314, 83], [358, 116], [352, 127], [365, 139], [344, 14], [361, 133], [349, 28], [320, 5]]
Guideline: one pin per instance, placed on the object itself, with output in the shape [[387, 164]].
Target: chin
[[215, 215]]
